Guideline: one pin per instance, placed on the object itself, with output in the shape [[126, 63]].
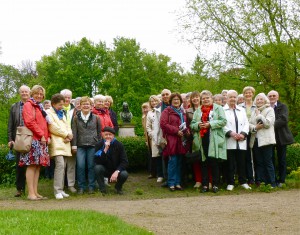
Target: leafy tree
[[258, 37], [78, 66]]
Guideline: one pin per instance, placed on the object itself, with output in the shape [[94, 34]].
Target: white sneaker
[[159, 179], [197, 185], [64, 194], [246, 186], [230, 187], [59, 196]]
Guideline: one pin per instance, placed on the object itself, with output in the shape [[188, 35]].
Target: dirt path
[[259, 213]]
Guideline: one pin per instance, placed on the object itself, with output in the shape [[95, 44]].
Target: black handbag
[[193, 157]]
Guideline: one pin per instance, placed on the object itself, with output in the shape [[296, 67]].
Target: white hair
[[263, 95], [166, 91], [99, 97], [66, 92], [232, 91], [24, 86]]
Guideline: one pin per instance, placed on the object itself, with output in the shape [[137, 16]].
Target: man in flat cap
[[110, 161]]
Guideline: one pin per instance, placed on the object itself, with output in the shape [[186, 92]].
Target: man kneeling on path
[[110, 161]]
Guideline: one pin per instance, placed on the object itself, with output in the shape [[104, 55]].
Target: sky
[[30, 29]]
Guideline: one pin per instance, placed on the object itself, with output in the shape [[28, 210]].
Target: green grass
[[139, 187], [63, 222]]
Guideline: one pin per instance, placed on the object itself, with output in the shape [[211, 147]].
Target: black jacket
[[114, 159], [13, 121], [282, 132]]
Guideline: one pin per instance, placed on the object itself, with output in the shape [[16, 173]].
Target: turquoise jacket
[[217, 141]]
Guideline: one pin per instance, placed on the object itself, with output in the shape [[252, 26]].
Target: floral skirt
[[38, 155]]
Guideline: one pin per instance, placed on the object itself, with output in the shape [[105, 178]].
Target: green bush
[[7, 168], [136, 150], [293, 157]]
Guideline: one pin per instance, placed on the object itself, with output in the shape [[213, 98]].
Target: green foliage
[[63, 222], [78, 66], [293, 157], [136, 151], [7, 168]]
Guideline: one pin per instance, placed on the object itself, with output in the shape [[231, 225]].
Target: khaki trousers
[[71, 168], [59, 174]]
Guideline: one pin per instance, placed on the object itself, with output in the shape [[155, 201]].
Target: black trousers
[[20, 174], [236, 158]]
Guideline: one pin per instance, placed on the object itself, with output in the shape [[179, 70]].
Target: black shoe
[[103, 192], [80, 191], [204, 189], [91, 191], [215, 189], [119, 191]]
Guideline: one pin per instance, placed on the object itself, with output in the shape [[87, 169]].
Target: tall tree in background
[[250, 34], [261, 37], [78, 66]]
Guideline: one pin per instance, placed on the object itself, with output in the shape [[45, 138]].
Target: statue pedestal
[[126, 130]]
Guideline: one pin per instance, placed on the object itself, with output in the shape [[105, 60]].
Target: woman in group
[[236, 131], [100, 110], [262, 140], [86, 128], [176, 131], [208, 122], [195, 104], [113, 116], [249, 106], [59, 148], [35, 118], [156, 159]]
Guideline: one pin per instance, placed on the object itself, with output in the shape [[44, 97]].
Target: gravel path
[[259, 213]]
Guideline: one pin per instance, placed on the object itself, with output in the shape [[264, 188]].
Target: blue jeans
[[174, 170], [85, 155], [264, 164]]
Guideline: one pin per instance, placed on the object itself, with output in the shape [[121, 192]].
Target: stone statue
[[126, 115]]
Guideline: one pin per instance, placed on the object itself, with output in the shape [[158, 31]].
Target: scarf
[[99, 111], [261, 108], [179, 111], [164, 106], [41, 108], [99, 152], [205, 115], [60, 113]]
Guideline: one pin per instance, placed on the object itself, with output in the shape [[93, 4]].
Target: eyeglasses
[[272, 96]]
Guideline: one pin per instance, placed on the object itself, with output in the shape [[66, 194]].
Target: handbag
[[193, 157], [23, 139], [10, 156]]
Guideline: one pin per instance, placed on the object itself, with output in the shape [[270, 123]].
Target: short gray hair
[[66, 92]]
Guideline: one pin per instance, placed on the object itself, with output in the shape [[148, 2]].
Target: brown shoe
[[19, 193]]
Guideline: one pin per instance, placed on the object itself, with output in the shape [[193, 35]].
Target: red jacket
[[34, 120], [104, 117], [169, 123]]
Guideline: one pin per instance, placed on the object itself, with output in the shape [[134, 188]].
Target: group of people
[[80, 139], [230, 136]]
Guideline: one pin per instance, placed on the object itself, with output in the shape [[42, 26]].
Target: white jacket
[[243, 126], [265, 136]]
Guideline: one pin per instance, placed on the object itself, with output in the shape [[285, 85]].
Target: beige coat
[[59, 130], [151, 129]]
